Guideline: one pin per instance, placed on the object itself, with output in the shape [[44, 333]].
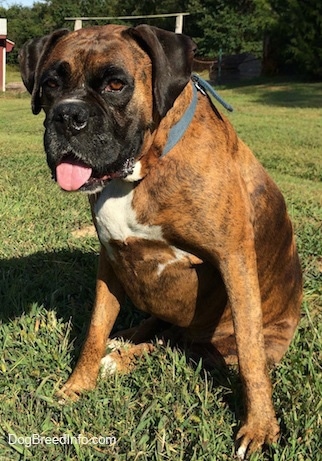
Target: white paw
[[241, 452], [108, 366]]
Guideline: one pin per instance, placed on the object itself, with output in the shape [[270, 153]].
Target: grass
[[165, 409], [12, 73]]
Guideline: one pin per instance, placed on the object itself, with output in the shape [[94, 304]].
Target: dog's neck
[[178, 129]]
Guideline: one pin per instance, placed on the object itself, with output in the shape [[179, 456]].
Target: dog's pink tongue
[[71, 175]]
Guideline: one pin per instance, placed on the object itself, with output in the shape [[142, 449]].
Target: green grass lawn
[[165, 409]]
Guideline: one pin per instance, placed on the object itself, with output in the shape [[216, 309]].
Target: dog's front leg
[[239, 270], [109, 296]]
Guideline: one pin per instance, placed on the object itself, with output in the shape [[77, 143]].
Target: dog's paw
[[109, 366], [116, 359], [122, 356], [65, 395], [73, 388], [253, 435]]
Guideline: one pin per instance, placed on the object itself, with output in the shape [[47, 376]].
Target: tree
[[290, 29], [295, 39], [24, 23], [232, 25]]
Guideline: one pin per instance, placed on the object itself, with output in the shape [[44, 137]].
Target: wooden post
[[179, 24], [3, 36], [2, 67], [78, 24]]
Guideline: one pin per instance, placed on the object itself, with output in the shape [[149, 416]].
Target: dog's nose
[[71, 116]]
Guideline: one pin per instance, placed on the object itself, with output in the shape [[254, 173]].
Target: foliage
[[229, 25], [297, 35], [291, 29]]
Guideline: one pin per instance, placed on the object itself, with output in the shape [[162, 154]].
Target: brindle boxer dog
[[192, 228]]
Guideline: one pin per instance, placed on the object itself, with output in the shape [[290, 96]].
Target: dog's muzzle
[[71, 117], [70, 155]]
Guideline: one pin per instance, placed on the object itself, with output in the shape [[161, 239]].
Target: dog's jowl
[[192, 228]]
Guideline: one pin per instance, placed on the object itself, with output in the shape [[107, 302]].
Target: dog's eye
[[114, 85], [51, 83]]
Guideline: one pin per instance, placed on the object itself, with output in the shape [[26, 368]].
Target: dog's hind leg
[[126, 346], [123, 356], [277, 337], [147, 330]]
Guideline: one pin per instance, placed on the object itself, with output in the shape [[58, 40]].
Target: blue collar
[[179, 129]]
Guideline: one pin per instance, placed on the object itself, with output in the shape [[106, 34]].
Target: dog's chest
[[116, 218], [149, 268]]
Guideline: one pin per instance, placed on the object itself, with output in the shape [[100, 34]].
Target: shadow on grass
[[63, 281]]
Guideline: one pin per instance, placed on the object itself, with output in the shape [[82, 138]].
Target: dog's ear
[[171, 55], [31, 58]]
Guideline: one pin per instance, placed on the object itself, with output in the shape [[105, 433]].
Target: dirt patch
[[87, 231], [17, 87]]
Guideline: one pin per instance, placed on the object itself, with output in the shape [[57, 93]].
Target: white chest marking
[[116, 219]]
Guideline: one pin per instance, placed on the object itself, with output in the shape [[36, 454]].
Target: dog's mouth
[[73, 174]]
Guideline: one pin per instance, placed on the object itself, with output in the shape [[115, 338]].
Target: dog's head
[[102, 89]]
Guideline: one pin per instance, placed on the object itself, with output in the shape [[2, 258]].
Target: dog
[[192, 228]]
